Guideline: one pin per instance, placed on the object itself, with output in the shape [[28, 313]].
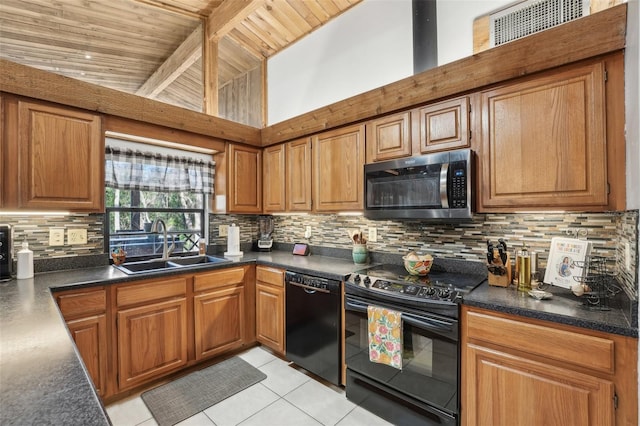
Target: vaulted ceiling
[[153, 47]]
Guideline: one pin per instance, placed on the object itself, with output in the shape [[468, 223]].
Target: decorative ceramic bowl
[[418, 264]]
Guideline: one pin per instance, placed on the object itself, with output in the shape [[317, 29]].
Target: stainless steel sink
[[188, 262], [198, 260], [146, 266]]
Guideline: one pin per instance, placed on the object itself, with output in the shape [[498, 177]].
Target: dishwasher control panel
[[312, 281]]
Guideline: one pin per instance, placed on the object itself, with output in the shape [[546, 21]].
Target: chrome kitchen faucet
[[166, 251]]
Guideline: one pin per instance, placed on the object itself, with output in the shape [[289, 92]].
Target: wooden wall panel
[[240, 99]]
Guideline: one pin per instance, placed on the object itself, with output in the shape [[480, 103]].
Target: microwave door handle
[[444, 174]]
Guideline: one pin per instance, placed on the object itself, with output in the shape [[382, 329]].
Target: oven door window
[[415, 187], [429, 361]]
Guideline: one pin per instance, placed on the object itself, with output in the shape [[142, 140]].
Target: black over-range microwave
[[435, 187]]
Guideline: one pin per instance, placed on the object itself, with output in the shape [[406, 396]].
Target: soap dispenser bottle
[[25, 262]]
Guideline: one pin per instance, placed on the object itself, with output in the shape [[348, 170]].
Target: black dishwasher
[[313, 324]]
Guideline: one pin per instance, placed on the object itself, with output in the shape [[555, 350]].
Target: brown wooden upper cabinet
[[338, 169], [239, 180], [389, 137], [544, 141], [287, 177], [441, 126], [299, 175], [436, 127], [53, 157], [273, 178]]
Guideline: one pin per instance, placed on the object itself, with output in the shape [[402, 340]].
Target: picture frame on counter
[[567, 257]]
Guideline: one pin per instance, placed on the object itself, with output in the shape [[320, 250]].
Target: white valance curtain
[[147, 171]]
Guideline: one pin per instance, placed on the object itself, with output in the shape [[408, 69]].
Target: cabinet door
[[270, 316], [442, 126], [338, 169], [274, 179], [85, 312], [244, 179], [219, 320], [299, 175], [503, 389], [544, 142], [61, 156], [389, 137], [90, 336], [152, 341]]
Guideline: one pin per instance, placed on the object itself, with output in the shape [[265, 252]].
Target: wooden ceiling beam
[[34, 83], [229, 14], [180, 60], [242, 36]]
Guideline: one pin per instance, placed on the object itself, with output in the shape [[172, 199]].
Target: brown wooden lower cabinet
[[522, 371], [132, 333], [85, 314], [219, 312], [270, 309], [90, 336], [151, 324]]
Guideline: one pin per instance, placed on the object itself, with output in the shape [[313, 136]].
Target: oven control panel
[[440, 292]]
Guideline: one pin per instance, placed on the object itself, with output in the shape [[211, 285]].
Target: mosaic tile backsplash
[[610, 233]]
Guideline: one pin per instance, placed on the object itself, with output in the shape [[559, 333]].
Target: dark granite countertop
[[43, 381], [563, 308]]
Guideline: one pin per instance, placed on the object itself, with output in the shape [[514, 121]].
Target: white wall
[[366, 47], [455, 26]]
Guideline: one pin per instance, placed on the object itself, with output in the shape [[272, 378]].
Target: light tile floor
[[286, 397]]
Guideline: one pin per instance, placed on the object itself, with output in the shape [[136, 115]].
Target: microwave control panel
[[458, 179]]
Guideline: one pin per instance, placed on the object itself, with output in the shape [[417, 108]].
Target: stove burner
[[392, 281]]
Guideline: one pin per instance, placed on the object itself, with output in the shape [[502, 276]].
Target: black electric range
[[438, 292]]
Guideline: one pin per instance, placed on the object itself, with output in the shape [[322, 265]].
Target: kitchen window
[[144, 183]]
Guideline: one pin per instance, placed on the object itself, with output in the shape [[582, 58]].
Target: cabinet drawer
[[82, 303], [579, 349], [271, 276], [219, 278], [148, 291]]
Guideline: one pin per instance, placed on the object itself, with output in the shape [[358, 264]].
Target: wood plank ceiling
[[153, 47]]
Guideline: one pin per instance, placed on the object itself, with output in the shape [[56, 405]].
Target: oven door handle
[[428, 323], [417, 321], [356, 306]]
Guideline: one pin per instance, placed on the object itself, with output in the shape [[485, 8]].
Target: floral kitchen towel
[[385, 336]]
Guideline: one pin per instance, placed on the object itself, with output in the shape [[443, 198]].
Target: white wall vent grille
[[532, 16]]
